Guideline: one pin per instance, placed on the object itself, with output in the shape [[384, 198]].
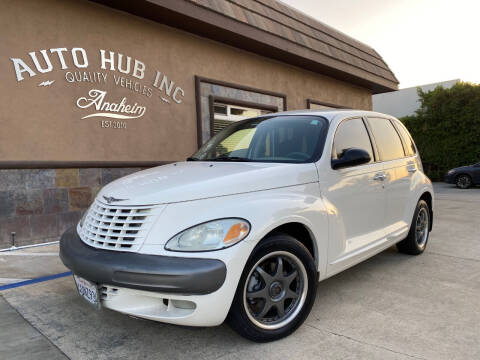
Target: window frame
[[370, 137], [201, 107]]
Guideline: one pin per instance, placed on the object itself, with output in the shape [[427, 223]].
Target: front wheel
[[276, 290], [463, 181]]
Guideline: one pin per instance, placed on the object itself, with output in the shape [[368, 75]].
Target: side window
[[387, 139], [351, 134], [407, 139]]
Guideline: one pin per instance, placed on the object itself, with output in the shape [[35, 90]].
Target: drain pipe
[[13, 247]]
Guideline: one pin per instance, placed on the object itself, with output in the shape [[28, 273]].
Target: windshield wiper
[[231, 158]]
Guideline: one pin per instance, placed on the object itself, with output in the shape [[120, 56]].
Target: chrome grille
[[117, 227]]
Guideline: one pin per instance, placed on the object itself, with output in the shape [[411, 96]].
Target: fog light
[[183, 304]]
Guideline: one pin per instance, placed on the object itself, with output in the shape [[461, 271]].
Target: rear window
[[387, 139], [407, 139]]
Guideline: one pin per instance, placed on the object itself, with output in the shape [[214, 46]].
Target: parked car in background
[[246, 227], [464, 176]]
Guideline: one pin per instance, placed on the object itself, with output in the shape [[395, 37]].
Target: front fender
[[265, 210]]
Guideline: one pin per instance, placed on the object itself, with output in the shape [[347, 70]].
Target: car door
[[399, 170], [476, 173], [355, 197]]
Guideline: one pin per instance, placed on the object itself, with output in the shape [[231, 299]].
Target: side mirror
[[351, 157]]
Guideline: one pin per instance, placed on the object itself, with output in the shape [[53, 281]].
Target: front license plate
[[88, 291]]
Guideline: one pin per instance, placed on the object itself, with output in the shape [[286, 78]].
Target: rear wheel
[[463, 181], [417, 237], [276, 291]]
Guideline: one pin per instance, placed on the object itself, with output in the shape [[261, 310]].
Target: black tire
[[463, 181], [412, 244], [241, 317]]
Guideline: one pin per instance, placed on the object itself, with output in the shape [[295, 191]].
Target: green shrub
[[446, 128]]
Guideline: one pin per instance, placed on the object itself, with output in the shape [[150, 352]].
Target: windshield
[[287, 138]]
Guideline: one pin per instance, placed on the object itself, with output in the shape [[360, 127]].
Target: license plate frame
[[88, 291]]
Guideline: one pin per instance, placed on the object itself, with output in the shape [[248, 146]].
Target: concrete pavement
[[392, 306], [20, 340], [29, 263]]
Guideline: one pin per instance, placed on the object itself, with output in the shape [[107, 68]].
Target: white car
[[245, 228]]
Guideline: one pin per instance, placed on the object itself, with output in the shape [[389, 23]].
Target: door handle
[[411, 168], [379, 177]]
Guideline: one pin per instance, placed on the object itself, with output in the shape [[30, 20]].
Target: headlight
[[84, 216], [451, 171], [212, 235]]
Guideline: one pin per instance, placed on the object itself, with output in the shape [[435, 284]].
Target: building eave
[[189, 16]]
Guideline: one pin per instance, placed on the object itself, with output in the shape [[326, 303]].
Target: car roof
[[332, 113]]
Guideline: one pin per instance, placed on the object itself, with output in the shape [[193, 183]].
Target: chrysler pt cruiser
[[245, 228]]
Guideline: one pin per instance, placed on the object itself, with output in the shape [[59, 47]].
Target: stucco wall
[[41, 121]]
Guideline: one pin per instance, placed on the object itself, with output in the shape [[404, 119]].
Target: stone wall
[[40, 204]]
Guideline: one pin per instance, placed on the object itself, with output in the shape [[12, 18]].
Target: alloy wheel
[[421, 227], [275, 290], [463, 182]]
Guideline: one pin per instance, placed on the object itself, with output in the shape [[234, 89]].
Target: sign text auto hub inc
[[118, 69]]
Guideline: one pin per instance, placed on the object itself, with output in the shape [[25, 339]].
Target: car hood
[[466, 167], [192, 180]]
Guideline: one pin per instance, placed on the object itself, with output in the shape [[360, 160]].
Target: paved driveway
[[392, 306]]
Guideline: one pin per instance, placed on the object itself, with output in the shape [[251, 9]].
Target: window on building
[[387, 139], [351, 134], [225, 114]]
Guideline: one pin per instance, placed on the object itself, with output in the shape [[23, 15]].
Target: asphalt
[[391, 306]]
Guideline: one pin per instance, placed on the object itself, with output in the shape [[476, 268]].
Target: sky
[[422, 41]]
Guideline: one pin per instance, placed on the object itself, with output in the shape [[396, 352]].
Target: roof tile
[[280, 19]]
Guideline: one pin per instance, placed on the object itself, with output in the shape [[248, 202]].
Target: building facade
[[94, 90]]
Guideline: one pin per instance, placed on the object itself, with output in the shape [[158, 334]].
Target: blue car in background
[[464, 176]]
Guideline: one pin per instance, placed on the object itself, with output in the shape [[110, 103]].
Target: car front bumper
[[166, 274], [185, 291], [449, 178]]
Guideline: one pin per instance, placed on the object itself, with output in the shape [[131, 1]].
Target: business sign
[[115, 68]]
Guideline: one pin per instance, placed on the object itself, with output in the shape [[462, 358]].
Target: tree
[[446, 128]]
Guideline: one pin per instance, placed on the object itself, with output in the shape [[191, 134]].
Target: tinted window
[[410, 147], [351, 134], [292, 138], [387, 139]]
